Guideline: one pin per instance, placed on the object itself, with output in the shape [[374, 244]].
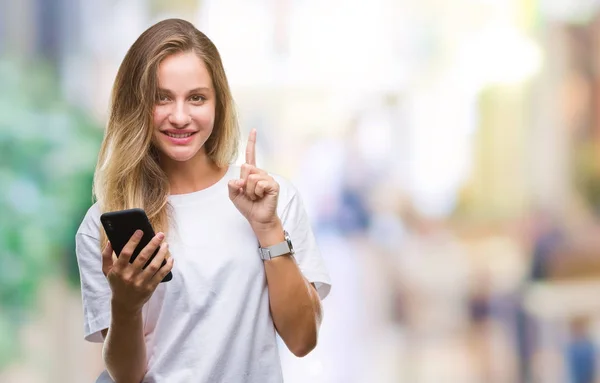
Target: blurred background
[[447, 153]]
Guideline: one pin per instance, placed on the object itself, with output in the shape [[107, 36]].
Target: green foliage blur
[[48, 151]]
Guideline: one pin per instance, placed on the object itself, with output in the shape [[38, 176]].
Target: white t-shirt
[[211, 322]]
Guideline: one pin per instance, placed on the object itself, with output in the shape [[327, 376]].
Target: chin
[[181, 155]]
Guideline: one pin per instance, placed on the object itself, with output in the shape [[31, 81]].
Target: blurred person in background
[[171, 137], [480, 321], [546, 237], [581, 352]]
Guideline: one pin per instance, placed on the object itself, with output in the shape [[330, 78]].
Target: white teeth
[[179, 135]]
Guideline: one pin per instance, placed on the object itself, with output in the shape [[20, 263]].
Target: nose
[[179, 116]]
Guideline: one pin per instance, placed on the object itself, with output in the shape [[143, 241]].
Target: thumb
[[235, 188], [107, 258]]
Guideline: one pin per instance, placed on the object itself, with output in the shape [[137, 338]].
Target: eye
[[197, 98], [163, 98]]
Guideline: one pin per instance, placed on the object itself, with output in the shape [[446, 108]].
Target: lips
[[179, 138], [178, 135]]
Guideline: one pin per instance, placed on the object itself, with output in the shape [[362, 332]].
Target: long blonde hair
[[128, 173]]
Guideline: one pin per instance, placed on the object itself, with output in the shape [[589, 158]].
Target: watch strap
[[279, 249]]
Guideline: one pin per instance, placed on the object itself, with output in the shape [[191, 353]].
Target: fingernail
[[139, 233], [160, 236]]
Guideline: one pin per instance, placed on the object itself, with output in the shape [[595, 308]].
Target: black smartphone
[[120, 226]]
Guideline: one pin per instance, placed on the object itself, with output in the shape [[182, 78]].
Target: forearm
[[124, 349], [295, 304]]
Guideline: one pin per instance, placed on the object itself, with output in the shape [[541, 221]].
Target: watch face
[[289, 241]]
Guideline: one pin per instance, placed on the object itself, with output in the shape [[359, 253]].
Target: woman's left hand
[[255, 193]]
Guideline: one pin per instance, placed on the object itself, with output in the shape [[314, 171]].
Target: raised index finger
[[250, 148]]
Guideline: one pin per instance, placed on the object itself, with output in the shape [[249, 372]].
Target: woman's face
[[184, 113]]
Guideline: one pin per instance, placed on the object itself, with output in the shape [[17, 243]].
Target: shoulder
[[90, 225]]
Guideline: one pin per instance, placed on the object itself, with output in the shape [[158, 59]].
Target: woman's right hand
[[131, 284]]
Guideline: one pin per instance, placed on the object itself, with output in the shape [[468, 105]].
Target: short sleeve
[[95, 291], [297, 224]]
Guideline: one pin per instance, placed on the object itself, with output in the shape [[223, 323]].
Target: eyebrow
[[198, 89], [195, 90]]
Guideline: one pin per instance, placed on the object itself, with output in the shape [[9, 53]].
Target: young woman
[[237, 239]]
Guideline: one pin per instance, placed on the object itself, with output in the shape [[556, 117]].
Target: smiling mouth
[[184, 135]]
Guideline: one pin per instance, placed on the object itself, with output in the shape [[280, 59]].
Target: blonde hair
[[128, 173]]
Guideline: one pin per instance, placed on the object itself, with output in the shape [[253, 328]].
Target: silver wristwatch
[[282, 248]]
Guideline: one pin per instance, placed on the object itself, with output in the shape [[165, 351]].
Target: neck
[[196, 174]]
